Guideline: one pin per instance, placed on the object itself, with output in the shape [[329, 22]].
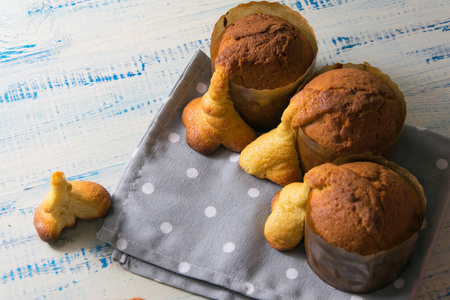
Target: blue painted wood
[[80, 81]]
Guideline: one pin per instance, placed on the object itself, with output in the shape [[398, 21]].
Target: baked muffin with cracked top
[[345, 110], [267, 49], [263, 52], [362, 221]]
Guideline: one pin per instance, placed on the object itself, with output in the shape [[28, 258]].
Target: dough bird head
[[285, 226], [212, 121], [65, 202], [274, 154]]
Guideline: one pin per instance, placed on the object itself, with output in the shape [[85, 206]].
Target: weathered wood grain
[[80, 81]]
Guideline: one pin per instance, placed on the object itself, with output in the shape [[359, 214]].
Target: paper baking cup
[[262, 109], [352, 272], [312, 154]]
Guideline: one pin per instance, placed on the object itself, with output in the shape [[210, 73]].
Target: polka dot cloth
[[184, 267], [166, 227], [202, 87], [192, 173], [442, 164], [148, 188], [210, 211], [234, 157], [229, 247], [248, 288], [399, 283], [174, 137], [121, 244], [253, 192], [292, 273], [202, 217]]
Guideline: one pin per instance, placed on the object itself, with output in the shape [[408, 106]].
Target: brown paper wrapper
[[262, 109], [352, 272], [311, 154]]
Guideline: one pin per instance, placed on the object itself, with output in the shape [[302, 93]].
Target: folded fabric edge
[[434, 239], [164, 276], [426, 260]]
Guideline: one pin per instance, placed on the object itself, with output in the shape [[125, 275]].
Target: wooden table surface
[[80, 81]]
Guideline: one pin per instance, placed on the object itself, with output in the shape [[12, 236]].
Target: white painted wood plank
[[81, 80]]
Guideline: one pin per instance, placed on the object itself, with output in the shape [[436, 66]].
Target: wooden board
[[80, 81]]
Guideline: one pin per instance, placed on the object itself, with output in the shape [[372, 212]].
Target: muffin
[[268, 49], [345, 110], [362, 221]]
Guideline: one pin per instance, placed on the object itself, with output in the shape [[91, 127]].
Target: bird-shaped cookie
[[65, 202], [273, 155], [212, 121]]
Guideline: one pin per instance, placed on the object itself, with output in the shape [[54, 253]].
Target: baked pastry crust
[[284, 226], [347, 109], [376, 208], [274, 154], [212, 121], [363, 217], [263, 51], [67, 201], [262, 105]]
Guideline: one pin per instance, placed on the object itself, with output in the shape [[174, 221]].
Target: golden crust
[[284, 227], [67, 201], [263, 52], [274, 156], [349, 111], [262, 108], [362, 207], [211, 120]]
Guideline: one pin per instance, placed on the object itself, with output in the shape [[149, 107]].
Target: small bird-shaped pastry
[[212, 121], [65, 202]]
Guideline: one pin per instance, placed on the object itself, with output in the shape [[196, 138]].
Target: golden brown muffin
[[263, 52], [344, 111], [362, 219], [267, 49], [67, 201], [375, 208]]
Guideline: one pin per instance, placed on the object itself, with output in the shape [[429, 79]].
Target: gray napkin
[[196, 222]]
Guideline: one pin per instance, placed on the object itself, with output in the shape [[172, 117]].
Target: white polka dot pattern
[[229, 247], [291, 273], [253, 192], [399, 283], [192, 173], [210, 211], [248, 288], [442, 164], [184, 267], [201, 88], [166, 227], [148, 188], [121, 244], [234, 157], [174, 137]]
